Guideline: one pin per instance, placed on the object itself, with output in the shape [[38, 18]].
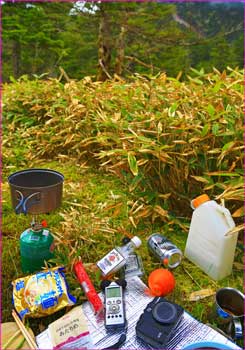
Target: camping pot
[[36, 191]]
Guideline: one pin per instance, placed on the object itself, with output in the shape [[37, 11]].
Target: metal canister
[[164, 250], [35, 247]]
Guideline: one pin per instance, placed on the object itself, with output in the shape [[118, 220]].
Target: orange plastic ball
[[161, 282]]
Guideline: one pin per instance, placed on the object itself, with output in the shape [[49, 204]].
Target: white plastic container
[[209, 244]]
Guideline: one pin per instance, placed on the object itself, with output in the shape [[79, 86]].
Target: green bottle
[[35, 247]]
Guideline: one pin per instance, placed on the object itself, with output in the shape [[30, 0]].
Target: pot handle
[[19, 205], [235, 329], [22, 205]]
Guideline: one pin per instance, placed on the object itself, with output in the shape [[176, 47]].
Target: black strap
[[117, 345]]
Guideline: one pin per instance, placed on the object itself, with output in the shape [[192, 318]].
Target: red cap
[[44, 223]]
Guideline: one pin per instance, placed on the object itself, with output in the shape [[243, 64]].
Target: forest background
[[101, 39]]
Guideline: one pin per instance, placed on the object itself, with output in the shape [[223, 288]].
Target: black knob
[[104, 284], [122, 283]]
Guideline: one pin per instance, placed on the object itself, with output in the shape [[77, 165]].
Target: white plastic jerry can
[[209, 244]]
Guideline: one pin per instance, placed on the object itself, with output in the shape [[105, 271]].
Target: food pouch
[[41, 294]]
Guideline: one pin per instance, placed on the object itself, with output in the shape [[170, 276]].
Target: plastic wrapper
[[88, 287], [41, 294]]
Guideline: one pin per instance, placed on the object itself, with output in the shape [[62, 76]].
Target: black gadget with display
[[158, 321], [114, 304]]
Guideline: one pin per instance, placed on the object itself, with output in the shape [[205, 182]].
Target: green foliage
[[32, 38], [167, 140], [39, 38]]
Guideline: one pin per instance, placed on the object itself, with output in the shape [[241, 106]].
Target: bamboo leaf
[[205, 130], [214, 151], [159, 210], [172, 109], [215, 129], [200, 73], [133, 164], [236, 229], [200, 179], [195, 80], [144, 213], [217, 87], [211, 110], [201, 294], [238, 266], [228, 146], [239, 212], [159, 128], [221, 173]]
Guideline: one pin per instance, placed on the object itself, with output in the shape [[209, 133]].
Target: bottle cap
[[199, 200], [136, 241]]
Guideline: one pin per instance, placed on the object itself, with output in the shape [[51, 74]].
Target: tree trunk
[[16, 58], [120, 51], [104, 52]]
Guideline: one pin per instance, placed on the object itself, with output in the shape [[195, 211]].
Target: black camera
[[158, 321]]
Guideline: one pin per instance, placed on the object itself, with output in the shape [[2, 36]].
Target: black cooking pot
[[36, 191]]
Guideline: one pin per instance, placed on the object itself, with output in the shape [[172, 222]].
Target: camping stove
[[36, 191]]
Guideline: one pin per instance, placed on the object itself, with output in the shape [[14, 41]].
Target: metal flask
[[164, 250]]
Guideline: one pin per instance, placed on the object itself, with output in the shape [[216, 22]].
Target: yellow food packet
[[41, 294]]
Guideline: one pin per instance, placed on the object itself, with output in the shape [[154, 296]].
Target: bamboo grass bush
[[168, 140]]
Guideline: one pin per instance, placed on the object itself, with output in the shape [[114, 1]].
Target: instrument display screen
[[113, 292]]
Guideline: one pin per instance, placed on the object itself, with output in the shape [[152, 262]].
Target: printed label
[[110, 262], [68, 332], [34, 238], [132, 264], [45, 232]]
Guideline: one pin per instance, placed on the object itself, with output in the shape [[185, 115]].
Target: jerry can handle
[[227, 216]]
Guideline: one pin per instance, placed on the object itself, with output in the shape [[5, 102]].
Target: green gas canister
[[36, 245]]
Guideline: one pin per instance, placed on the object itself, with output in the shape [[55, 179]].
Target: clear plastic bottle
[[117, 257]]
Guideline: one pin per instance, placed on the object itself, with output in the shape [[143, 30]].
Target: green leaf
[[133, 164], [216, 88], [205, 130], [172, 109], [215, 129], [228, 145], [195, 80], [222, 173], [200, 73], [211, 110], [200, 179]]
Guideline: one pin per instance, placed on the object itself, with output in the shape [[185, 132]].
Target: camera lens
[[164, 312]]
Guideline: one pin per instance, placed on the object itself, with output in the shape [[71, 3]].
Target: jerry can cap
[[199, 200]]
